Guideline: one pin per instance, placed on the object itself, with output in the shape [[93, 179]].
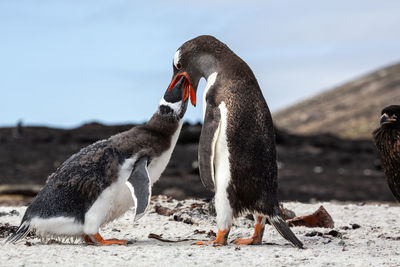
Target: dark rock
[[39, 151], [334, 233], [320, 218], [180, 218], [164, 210], [314, 233]]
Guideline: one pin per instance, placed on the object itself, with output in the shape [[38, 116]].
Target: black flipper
[[281, 226], [22, 232], [141, 184], [209, 135]]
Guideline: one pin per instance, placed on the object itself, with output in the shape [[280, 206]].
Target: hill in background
[[351, 110]]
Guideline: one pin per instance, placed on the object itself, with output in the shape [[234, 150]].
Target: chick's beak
[[386, 119], [187, 87]]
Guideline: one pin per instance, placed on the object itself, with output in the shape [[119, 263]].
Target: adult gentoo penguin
[[387, 141], [237, 157], [102, 181]]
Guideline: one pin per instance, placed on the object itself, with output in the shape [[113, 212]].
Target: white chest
[[221, 160], [157, 165], [113, 202], [222, 173]]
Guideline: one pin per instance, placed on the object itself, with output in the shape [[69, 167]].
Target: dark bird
[[237, 156], [387, 141], [102, 181]]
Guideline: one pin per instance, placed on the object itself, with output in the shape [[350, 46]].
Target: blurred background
[[73, 72]]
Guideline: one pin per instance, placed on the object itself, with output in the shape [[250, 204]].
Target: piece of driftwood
[[319, 218], [158, 237]]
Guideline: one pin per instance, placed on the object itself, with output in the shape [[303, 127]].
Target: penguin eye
[[179, 66]]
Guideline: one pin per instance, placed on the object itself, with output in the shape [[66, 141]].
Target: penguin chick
[[237, 154], [387, 141], [102, 181]]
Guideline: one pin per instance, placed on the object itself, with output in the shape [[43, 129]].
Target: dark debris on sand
[[6, 230]]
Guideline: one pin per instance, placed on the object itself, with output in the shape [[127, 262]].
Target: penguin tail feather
[[281, 226], [23, 230]]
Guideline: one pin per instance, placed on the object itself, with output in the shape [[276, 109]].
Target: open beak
[[187, 87], [386, 119]]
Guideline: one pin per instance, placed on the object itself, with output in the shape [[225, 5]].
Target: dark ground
[[321, 167]]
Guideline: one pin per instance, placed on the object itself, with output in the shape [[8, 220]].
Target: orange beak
[[187, 87]]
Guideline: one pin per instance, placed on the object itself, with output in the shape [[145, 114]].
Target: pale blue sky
[[66, 62]]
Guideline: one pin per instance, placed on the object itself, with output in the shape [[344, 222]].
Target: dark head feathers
[[390, 117], [387, 141]]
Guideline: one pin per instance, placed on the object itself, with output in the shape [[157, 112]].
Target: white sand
[[374, 244]]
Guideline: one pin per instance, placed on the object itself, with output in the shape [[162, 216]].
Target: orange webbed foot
[[220, 240], [97, 239], [247, 241], [209, 243], [256, 239]]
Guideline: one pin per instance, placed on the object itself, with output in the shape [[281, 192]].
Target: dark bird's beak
[[188, 88], [386, 119]]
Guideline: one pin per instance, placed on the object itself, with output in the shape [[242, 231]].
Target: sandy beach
[[364, 235]]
